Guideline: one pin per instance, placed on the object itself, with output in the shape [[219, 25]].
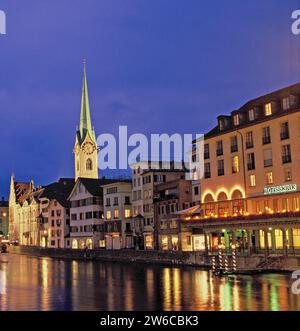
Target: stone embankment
[[245, 264]]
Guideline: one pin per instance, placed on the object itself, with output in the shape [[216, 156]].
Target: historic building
[[36, 212], [250, 190], [55, 214], [85, 148], [118, 222], [171, 197], [145, 176], [4, 218]]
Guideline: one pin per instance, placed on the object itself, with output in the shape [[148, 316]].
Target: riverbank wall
[[245, 264]]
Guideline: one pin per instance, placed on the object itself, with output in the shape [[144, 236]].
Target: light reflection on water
[[31, 283]]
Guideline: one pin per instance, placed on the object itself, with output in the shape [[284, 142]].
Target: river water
[[31, 283]]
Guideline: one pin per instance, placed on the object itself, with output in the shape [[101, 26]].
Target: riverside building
[[145, 177], [118, 223], [251, 187]]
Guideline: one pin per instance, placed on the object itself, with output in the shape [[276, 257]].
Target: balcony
[[206, 155], [284, 135], [207, 175], [234, 148], [251, 166], [286, 159], [249, 144], [219, 151], [221, 172], [266, 140]]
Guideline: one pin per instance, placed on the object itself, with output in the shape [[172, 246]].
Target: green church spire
[[85, 116]]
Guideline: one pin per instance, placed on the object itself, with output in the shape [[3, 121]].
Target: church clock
[[88, 148]]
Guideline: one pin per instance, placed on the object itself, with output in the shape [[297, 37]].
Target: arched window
[[74, 244], [237, 202], [222, 196], [223, 205], [208, 198], [209, 204], [89, 243], [81, 244], [89, 164]]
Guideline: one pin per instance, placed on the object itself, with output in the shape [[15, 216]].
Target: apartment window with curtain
[[286, 103], [206, 151], [286, 154], [269, 178], [251, 115], [236, 120], [116, 213], [221, 170], [268, 109], [235, 165], [251, 161], [207, 173], [288, 175], [249, 140], [266, 136], [234, 144], [268, 160], [284, 131], [219, 150], [252, 180]]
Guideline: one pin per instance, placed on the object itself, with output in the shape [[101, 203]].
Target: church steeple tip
[[85, 115]]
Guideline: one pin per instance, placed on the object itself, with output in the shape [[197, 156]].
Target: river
[[32, 283]]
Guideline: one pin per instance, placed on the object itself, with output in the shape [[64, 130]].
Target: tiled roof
[[258, 104], [59, 191], [94, 185]]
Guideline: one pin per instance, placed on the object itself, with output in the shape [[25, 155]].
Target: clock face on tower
[[88, 148]]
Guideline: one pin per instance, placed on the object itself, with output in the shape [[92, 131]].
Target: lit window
[[116, 213], [251, 115], [286, 103], [252, 179], [108, 215], [236, 119], [149, 241], [101, 243], [164, 243], [288, 175], [89, 164], [268, 109], [127, 213], [235, 165], [269, 178]]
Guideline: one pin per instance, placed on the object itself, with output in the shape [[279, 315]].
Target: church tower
[[85, 148]]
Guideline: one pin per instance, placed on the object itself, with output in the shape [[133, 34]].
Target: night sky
[[154, 65]]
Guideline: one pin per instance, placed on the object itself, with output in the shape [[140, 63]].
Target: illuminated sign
[[280, 189]]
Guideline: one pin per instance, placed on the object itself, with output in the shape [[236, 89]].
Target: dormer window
[[236, 120], [221, 124], [286, 103], [268, 109], [251, 115]]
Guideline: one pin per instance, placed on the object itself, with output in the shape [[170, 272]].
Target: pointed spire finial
[[85, 116]]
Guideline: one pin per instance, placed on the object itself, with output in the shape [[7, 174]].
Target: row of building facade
[[248, 196]]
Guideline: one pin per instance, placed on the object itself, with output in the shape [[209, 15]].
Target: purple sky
[[156, 66]]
